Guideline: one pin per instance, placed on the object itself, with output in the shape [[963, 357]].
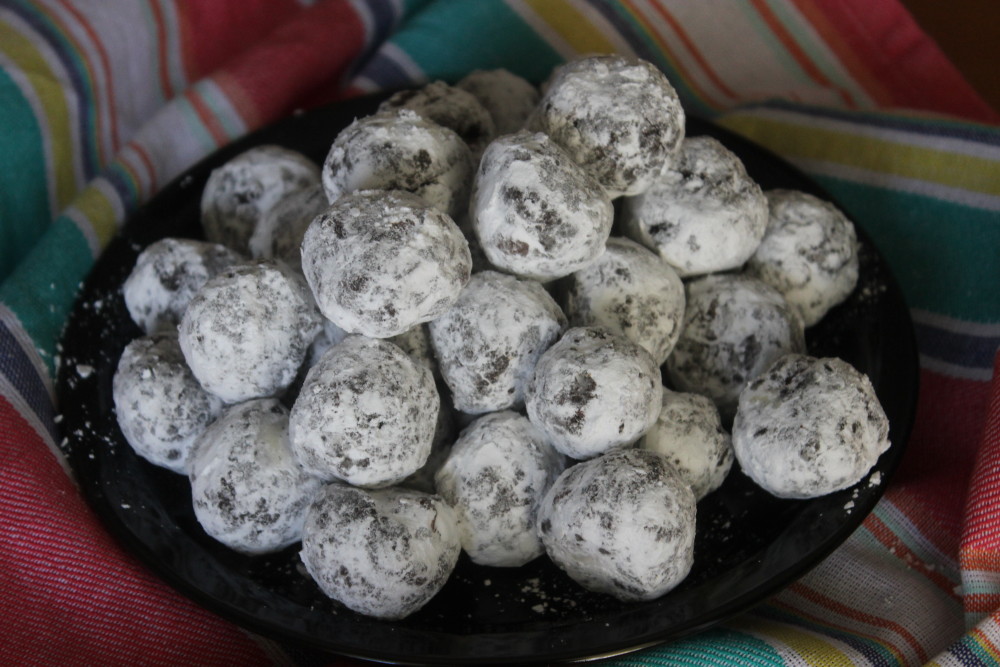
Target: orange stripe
[[109, 82], [672, 56], [208, 119], [796, 51], [887, 538], [695, 53], [161, 49], [825, 622], [850, 612], [150, 168], [985, 640], [981, 602], [847, 56], [979, 559]]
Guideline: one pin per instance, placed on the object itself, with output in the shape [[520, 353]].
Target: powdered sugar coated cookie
[[382, 553], [617, 116], [450, 107], [594, 391], [703, 214], [380, 262], [622, 524], [631, 291], [807, 427], [279, 232], [509, 98], [159, 404], [809, 253], [247, 489], [494, 478]]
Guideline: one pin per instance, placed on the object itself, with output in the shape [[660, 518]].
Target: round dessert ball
[[621, 524], [366, 414], [279, 232], [401, 150], [381, 262], [382, 553], [247, 488], [510, 99], [238, 193], [494, 478], [594, 391], [617, 116], [689, 433], [631, 291], [159, 404], [807, 427], [450, 107], [248, 329], [703, 214], [536, 213], [444, 437], [165, 277], [809, 253], [734, 327], [487, 344]]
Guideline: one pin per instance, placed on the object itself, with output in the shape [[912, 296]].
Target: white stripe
[[935, 142], [404, 61], [145, 174], [12, 395], [917, 542], [113, 198], [365, 84], [621, 45], [8, 317], [173, 48], [941, 367], [881, 179], [361, 9], [964, 327], [544, 30]]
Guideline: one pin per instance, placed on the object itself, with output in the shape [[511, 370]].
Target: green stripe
[[714, 648], [945, 256], [42, 288], [24, 204], [489, 29]]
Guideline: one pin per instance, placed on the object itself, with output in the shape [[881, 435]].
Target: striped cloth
[[102, 103]]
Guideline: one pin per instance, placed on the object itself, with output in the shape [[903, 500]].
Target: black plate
[[749, 544]]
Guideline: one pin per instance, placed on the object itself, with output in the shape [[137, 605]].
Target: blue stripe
[[956, 348], [72, 61], [386, 72], [965, 655], [24, 378], [385, 18]]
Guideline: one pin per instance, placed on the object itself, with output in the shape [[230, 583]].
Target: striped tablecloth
[[102, 103]]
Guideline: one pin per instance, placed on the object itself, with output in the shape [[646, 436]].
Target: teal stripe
[[714, 648], [945, 256], [42, 288], [429, 39], [24, 203], [221, 109]]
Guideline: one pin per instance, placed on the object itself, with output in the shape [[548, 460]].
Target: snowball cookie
[[494, 478], [239, 192], [594, 391], [279, 231], [617, 116], [160, 406], [689, 432], [381, 553], [381, 262], [632, 292], [704, 214], [488, 342], [509, 98], [248, 490], [366, 414], [622, 524], [165, 277], [400, 150], [450, 107], [247, 331], [807, 427], [535, 212], [734, 327], [809, 253]]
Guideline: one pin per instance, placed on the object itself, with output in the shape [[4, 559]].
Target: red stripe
[[898, 548], [982, 520], [890, 43], [69, 594], [804, 61], [208, 118], [162, 55]]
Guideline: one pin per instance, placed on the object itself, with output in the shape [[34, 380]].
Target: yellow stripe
[[811, 649], [51, 94], [96, 208], [565, 19], [920, 163]]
